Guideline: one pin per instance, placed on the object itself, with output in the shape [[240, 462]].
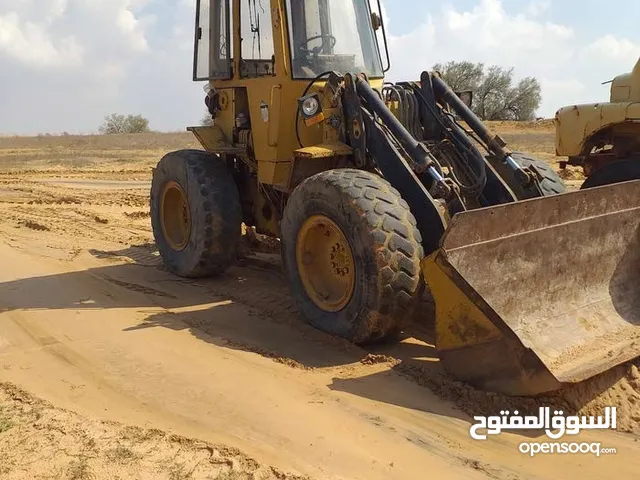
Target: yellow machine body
[[266, 92], [593, 134], [530, 295]]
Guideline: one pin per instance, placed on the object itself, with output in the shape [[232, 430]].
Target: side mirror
[[466, 97], [376, 21]]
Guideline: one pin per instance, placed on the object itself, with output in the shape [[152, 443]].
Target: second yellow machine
[[604, 138], [380, 190]]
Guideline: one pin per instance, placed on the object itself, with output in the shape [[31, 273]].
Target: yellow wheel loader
[[604, 138], [377, 191]]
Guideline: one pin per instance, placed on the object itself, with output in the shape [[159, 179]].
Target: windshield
[[332, 35]]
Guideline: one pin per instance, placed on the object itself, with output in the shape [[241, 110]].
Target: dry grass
[[5, 420], [133, 156], [100, 152], [40, 441], [115, 150]]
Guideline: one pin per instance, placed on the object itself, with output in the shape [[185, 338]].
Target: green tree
[[495, 97], [116, 123], [461, 75]]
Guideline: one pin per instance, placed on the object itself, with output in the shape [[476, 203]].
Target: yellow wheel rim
[[175, 216], [325, 263]]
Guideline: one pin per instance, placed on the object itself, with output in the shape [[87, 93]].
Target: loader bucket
[[534, 295]]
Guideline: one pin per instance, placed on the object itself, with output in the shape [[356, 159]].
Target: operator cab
[[322, 35], [332, 35]]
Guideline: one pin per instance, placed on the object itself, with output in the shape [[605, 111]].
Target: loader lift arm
[[414, 170]]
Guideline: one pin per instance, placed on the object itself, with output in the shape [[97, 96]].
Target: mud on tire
[[213, 208], [385, 244]]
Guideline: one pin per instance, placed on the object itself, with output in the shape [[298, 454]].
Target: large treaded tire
[[614, 172], [551, 183], [214, 208], [386, 246]]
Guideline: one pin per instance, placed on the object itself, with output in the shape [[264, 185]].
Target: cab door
[[213, 49]]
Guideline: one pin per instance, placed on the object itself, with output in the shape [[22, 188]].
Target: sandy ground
[[41, 441], [92, 323]]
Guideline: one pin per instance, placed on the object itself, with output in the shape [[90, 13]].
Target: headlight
[[311, 109], [310, 106]]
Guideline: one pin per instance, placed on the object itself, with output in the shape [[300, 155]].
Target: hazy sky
[[65, 64]]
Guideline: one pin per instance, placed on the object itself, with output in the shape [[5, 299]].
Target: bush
[[116, 123]]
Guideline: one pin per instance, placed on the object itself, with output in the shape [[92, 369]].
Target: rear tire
[[379, 269], [195, 213], [615, 172]]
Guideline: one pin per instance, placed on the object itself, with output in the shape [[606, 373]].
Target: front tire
[[195, 213], [351, 251]]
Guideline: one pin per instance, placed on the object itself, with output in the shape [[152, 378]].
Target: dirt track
[[90, 321]]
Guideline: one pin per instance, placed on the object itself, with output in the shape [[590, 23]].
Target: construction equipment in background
[[377, 191], [604, 138]]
